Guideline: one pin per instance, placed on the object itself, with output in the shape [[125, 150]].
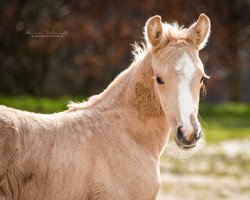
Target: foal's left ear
[[199, 32], [153, 30]]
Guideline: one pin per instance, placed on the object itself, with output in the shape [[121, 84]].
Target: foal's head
[[179, 74]]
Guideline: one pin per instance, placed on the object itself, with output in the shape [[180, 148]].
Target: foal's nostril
[[190, 140], [180, 134]]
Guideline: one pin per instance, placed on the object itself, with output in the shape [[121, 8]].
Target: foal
[[109, 147]]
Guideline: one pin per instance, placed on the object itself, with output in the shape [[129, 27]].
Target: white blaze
[[186, 69]]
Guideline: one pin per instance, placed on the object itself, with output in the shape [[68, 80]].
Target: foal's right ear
[[153, 30]]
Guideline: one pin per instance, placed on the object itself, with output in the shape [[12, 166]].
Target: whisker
[[202, 122]]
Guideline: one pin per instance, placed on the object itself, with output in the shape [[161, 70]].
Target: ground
[[216, 171]]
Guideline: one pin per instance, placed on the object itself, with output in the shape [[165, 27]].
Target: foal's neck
[[148, 120], [133, 94]]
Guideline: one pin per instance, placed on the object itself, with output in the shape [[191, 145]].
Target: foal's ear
[[153, 31], [199, 32]]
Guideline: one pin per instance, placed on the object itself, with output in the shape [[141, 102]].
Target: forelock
[[174, 31]]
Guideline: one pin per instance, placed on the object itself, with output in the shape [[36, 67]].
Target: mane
[[171, 32], [72, 106]]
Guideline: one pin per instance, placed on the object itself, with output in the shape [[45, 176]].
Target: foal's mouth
[[185, 146]]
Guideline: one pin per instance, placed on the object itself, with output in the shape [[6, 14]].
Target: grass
[[38, 104], [225, 121], [220, 121]]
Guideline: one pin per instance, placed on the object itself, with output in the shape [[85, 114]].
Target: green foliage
[[220, 122], [225, 110]]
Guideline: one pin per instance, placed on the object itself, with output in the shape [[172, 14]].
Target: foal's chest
[[127, 180]]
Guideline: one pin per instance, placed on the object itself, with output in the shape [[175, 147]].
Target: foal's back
[[43, 156]]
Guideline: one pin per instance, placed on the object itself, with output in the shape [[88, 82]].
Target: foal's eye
[[202, 79], [158, 80]]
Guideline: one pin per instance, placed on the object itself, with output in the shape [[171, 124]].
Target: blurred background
[[53, 51]]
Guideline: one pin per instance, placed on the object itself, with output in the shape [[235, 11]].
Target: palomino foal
[[109, 147]]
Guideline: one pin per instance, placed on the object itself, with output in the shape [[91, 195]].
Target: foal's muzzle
[[185, 142]]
